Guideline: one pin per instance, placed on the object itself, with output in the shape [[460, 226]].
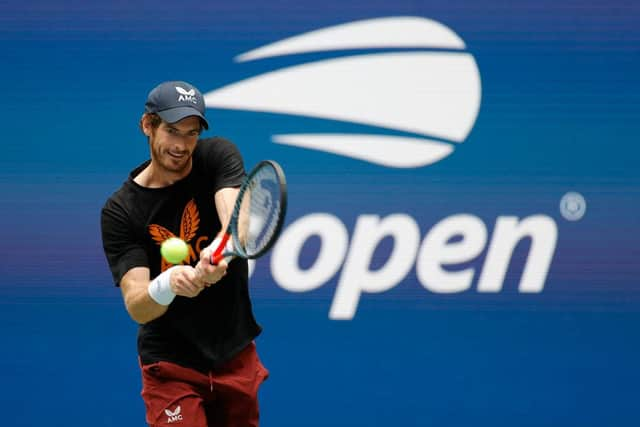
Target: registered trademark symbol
[[573, 206]]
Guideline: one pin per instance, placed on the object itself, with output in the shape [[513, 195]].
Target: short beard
[[164, 162]]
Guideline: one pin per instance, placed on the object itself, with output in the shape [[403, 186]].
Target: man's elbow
[[140, 318], [139, 313]]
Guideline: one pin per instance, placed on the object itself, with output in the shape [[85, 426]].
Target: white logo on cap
[[186, 95], [431, 94]]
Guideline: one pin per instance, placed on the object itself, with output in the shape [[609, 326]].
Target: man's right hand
[[186, 282]]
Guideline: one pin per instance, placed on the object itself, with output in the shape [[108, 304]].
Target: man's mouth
[[177, 154]]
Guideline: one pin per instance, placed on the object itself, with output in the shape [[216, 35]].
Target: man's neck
[[154, 177]]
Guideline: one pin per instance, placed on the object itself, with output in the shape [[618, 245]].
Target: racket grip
[[218, 255], [215, 259]]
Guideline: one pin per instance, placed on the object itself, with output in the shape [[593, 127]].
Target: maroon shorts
[[178, 396]]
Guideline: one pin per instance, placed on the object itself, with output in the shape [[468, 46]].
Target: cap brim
[[174, 115]]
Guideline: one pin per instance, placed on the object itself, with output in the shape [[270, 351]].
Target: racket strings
[[260, 211]]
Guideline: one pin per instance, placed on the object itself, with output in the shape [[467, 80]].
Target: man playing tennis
[[195, 340]]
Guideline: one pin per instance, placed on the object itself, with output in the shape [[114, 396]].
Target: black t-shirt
[[201, 332]]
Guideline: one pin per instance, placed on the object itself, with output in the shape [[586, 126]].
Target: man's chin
[[176, 165]]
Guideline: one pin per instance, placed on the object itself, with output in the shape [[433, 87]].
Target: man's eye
[[172, 131]]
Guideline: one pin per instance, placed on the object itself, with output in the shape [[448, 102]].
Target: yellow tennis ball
[[174, 250]]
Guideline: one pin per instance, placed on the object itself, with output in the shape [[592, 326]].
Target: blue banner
[[464, 204]]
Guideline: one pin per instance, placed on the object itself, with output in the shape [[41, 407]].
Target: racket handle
[[218, 254], [215, 259]]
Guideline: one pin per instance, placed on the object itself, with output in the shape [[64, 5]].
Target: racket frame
[[232, 228]]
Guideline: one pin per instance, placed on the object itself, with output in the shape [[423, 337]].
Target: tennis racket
[[258, 214]]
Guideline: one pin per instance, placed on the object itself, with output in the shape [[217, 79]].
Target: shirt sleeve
[[223, 158], [120, 247]]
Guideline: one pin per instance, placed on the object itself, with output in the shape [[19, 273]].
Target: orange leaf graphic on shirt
[[189, 224], [159, 234], [190, 221]]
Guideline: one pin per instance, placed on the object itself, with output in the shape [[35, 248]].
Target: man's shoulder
[[123, 195], [214, 140], [217, 156], [213, 145], [119, 199]]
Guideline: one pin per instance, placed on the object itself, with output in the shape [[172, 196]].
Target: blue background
[[559, 113]]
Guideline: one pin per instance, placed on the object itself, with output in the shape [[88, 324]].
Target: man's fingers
[[189, 281], [186, 288], [186, 282], [210, 273]]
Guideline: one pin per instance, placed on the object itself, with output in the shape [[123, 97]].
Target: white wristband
[[160, 288]]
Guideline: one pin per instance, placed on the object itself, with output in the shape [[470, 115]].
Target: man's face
[[172, 144]]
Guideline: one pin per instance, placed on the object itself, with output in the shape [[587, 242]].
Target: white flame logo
[[433, 96]]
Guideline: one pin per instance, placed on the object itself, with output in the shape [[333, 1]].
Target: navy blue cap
[[175, 100]]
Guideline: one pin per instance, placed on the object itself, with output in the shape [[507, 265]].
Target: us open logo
[[422, 84], [417, 91]]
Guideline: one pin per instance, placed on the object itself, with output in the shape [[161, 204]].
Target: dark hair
[[155, 121]]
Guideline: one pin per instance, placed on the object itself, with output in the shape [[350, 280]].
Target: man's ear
[[145, 125]]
